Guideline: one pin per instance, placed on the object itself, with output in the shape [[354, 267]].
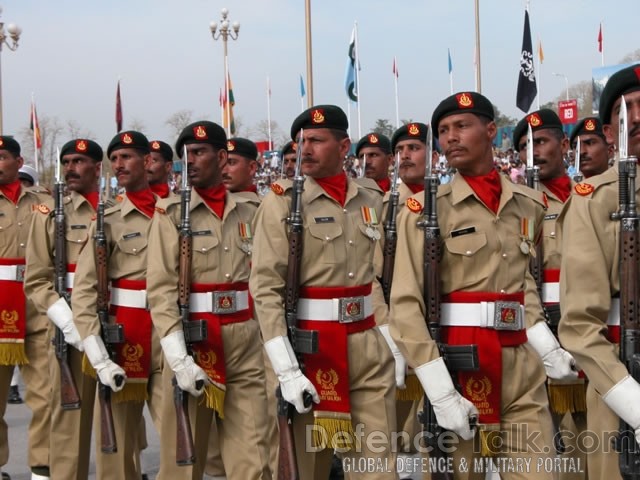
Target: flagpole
[[34, 122], [269, 111], [395, 81], [307, 18], [227, 88], [358, 80], [478, 69]]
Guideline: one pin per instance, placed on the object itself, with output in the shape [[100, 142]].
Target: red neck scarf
[[144, 201], [487, 188], [415, 187], [384, 184], [251, 188], [335, 187], [92, 198], [160, 189], [12, 190], [214, 197], [559, 186]]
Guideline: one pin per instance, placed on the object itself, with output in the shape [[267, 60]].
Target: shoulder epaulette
[[113, 209], [444, 190], [280, 186], [535, 195], [245, 197], [413, 204], [369, 184], [589, 186], [119, 198]]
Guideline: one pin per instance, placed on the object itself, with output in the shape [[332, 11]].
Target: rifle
[[194, 331], [456, 357], [390, 234], [69, 396], [578, 177], [112, 334], [629, 314], [302, 341]]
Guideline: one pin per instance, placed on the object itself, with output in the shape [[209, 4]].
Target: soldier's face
[[376, 162], [158, 169], [633, 123], [323, 153], [130, 168], [80, 172], [413, 160], [289, 165], [9, 166], [205, 164], [594, 154], [238, 173], [548, 152], [467, 140]]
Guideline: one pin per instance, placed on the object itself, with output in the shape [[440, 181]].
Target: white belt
[[551, 292], [14, 273], [70, 277], [219, 302], [483, 314], [123, 297], [613, 319], [343, 310]]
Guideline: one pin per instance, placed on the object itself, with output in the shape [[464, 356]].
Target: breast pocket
[[465, 264], [76, 240], [204, 251], [326, 243], [131, 248], [5, 226]]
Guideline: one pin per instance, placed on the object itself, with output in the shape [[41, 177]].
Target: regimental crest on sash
[[584, 189], [231, 145], [317, 116], [534, 120], [590, 125], [464, 100], [155, 145], [132, 353], [126, 139], [327, 379], [81, 146], [277, 189], [413, 130], [478, 389], [373, 138], [9, 317], [206, 360], [200, 132], [414, 205]]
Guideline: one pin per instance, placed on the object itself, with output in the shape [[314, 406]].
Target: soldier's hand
[[624, 399], [401, 363], [112, 375], [558, 363], [188, 374], [293, 388], [60, 314]]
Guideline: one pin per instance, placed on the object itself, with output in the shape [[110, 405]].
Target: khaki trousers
[[603, 426]]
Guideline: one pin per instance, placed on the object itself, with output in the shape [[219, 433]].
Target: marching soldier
[[590, 285], [138, 358], [288, 155], [81, 161], [374, 152], [241, 167], [23, 332], [351, 376], [160, 168], [230, 360], [488, 228], [595, 151]]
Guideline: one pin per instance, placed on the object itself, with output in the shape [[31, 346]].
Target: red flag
[[600, 39], [118, 109], [395, 68], [35, 127]]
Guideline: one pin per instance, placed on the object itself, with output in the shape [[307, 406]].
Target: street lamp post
[[227, 30], [566, 81], [12, 32]]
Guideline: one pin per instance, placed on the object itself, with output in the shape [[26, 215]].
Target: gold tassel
[[214, 398], [132, 392], [87, 368], [334, 432], [489, 441], [413, 391], [13, 354], [567, 397]]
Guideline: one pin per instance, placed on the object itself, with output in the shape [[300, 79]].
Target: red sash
[[13, 321]]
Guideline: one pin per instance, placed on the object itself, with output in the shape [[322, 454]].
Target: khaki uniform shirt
[[487, 257], [127, 232], [220, 254], [403, 194], [336, 248], [551, 240], [590, 277], [39, 278]]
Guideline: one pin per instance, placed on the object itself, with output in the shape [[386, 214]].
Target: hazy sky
[[72, 53]]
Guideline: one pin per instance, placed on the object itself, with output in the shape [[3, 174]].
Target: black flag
[[527, 89]]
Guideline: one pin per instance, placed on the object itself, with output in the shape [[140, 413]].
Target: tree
[[179, 120], [501, 119], [137, 125], [383, 127], [631, 57], [260, 131]]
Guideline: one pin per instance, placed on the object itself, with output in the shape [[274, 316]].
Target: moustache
[[72, 176]]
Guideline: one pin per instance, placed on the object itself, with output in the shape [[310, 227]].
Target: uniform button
[[134, 250], [19, 224], [350, 242], [327, 238], [552, 234], [22, 245], [468, 252], [203, 249], [504, 255], [502, 291], [345, 210], [351, 275], [227, 275]]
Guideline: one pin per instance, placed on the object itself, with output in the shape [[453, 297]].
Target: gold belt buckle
[[508, 316], [225, 302], [351, 309]]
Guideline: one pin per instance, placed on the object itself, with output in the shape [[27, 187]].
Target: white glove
[[62, 317], [186, 370], [293, 383], [106, 369], [624, 400], [452, 409], [401, 363], [558, 363]]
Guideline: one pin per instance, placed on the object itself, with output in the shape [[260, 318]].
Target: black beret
[[462, 102], [289, 147], [202, 132], [586, 126], [623, 81], [10, 144], [320, 116], [84, 147], [243, 147], [539, 120], [128, 139], [374, 140], [162, 148], [413, 130]]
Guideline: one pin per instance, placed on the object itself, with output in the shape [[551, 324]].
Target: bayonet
[[623, 134], [578, 175]]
